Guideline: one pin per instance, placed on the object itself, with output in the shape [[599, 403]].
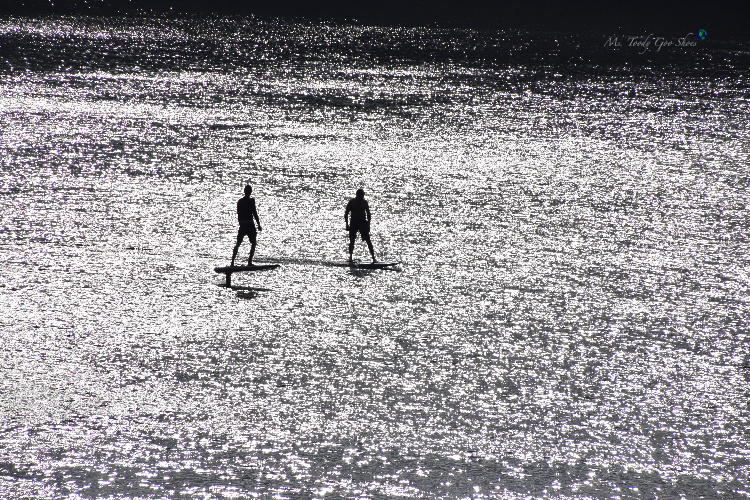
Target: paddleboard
[[238, 269], [367, 265]]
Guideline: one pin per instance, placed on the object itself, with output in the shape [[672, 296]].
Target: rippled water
[[570, 316]]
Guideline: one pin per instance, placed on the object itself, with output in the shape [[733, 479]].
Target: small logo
[[701, 34]]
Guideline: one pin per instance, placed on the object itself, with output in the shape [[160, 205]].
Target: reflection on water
[[569, 319]]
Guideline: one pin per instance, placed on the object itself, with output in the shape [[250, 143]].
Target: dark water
[[569, 319]]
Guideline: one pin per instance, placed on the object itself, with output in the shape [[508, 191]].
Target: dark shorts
[[362, 227], [249, 230]]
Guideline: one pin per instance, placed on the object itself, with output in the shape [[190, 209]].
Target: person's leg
[[236, 247], [369, 245], [352, 237], [365, 231], [252, 252], [253, 241]]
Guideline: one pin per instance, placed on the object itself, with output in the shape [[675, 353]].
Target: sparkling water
[[569, 318]]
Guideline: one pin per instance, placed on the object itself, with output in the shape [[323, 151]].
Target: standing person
[[360, 222], [246, 212]]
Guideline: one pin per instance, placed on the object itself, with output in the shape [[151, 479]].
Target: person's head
[[360, 193], [248, 190]]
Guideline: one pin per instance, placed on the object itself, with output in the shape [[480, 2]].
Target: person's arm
[[367, 211], [346, 215], [255, 214]]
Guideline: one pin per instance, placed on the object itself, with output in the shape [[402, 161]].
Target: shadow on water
[[300, 261], [360, 272], [247, 295], [327, 263]]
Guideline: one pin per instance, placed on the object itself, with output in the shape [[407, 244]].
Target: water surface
[[569, 319]]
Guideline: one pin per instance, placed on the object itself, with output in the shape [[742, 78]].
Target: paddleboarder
[[246, 212], [360, 222]]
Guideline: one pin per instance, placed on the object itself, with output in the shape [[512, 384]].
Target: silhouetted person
[[360, 222], [246, 212]]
